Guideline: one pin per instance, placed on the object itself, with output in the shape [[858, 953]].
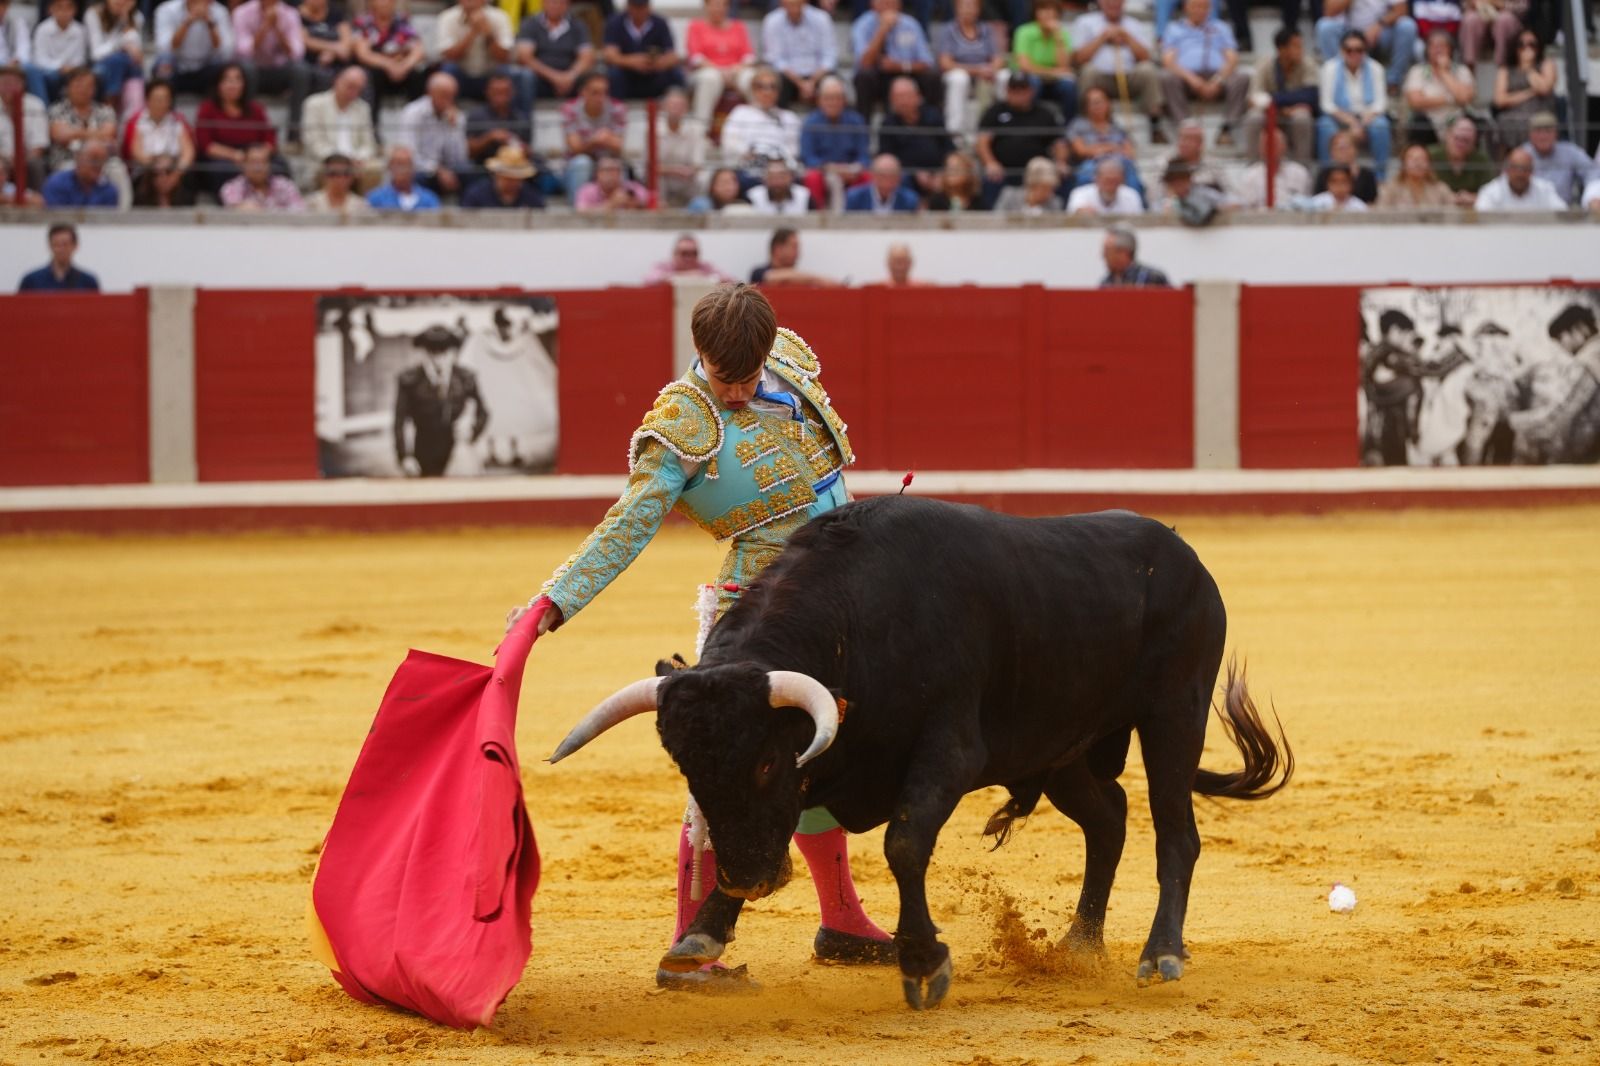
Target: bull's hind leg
[[1101, 810], [1171, 739]]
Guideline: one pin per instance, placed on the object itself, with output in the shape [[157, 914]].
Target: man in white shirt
[[16, 47], [475, 40], [1107, 195], [1516, 189], [779, 194], [194, 39], [760, 131], [1290, 180], [435, 130], [797, 41], [1118, 55], [60, 43], [1339, 197], [339, 122]]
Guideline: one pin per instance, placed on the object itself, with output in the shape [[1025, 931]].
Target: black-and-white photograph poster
[[1479, 376], [436, 386]]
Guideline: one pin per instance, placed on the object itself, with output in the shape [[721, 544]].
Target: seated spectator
[[723, 195], [556, 49], [16, 49], [35, 122], [1523, 88], [1383, 26], [499, 121], [685, 263], [779, 194], [1354, 99], [1503, 18], [885, 193], [887, 43], [157, 130], [1037, 194], [194, 41], [760, 131], [402, 192], [899, 263], [1436, 16], [1562, 163], [680, 149], [611, 189], [783, 263], [229, 122], [336, 193], [1094, 135], [162, 183], [720, 58], [835, 145], [8, 189], [1238, 16], [641, 57], [914, 133], [1460, 163], [1120, 250], [61, 274], [77, 117], [387, 45], [1416, 187], [510, 184], [1041, 50], [1516, 189], [959, 188], [84, 183], [338, 122], [1290, 180], [330, 46], [970, 56], [1437, 91], [116, 48], [1182, 198], [1015, 130], [271, 47], [1288, 80], [1338, 196], [593, 124], [1192, 151], [797, 41], [257, 188], [1200, 58], [1342, 152], [60, 45], [435, 130], [474, 42], [1108, 194], [1118, 55]]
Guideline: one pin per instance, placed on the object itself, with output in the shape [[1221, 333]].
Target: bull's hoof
[[1161, 968], [929, 997], [710, 980], [1087, 940], [691, 953], [831, 945]]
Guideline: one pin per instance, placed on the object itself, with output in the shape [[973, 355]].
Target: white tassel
[[699, 840], [705, 606]]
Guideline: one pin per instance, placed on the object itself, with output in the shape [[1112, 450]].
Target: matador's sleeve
[[653, 489]]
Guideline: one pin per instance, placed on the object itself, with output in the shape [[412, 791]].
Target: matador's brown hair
[[733, 329]]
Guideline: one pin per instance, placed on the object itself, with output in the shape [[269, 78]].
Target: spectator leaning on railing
[[194, 41], [1120, 250], [783, 263], [797, 41], [685, 263], [61, 274], [402, 192], [83, 184], [1118, 55], [556, 48]]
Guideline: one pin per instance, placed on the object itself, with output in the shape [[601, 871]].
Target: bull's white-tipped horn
[[635, 699], [791, 689]]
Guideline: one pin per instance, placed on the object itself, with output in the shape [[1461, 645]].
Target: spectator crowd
[[1028, 106]]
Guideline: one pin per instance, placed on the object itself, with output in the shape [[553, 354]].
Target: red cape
[[425, 886]]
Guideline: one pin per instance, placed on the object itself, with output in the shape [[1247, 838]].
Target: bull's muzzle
[[762, 888]]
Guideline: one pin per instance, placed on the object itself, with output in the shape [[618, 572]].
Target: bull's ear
[[668, 667], [844, 704]]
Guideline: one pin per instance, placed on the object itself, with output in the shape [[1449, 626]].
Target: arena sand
[[180, 715]]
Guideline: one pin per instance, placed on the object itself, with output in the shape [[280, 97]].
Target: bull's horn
[[791, 689], [635, 699]]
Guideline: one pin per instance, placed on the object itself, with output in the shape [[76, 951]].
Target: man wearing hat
[[1192, 203], [1561, 163], [431, 398], [508, 186]]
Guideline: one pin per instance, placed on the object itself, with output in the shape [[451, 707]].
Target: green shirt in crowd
[[1045, 52]]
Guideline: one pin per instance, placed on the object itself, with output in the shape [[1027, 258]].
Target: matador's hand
[[549, 618]]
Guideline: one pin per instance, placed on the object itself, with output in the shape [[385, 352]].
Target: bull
[[902, 652]]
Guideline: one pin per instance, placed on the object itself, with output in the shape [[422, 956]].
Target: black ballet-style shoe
[[831, 945]]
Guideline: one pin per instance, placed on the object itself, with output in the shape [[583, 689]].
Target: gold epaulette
[[684, 419], [795, 353]]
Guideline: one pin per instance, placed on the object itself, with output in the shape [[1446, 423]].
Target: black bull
[[969, 649]]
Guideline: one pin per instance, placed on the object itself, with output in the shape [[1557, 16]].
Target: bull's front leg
[[924, 807], [707, 936]]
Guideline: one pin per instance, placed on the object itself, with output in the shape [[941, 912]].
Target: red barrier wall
[[616, 354], [972, 379], [74, 396], [1299, 371]]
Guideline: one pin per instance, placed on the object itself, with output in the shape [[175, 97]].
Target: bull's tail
[[1268, 764], [1024, 798]]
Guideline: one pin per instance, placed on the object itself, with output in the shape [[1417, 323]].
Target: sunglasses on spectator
[[1353, 50]]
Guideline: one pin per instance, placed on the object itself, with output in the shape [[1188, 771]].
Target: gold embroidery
[[685, 420], [745, 419], [780, 471], [759, 446], [796, 496], [789, 348]]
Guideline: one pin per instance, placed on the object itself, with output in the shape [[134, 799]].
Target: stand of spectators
[[888, 43], [1201, 58]]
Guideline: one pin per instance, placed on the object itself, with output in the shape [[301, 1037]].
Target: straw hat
[[512, 161]]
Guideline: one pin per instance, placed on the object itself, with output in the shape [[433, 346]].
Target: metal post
[[19, 146], [1269, 157], [652, 161], [1575, 51]]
